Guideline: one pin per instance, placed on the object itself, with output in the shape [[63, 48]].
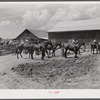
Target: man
[[73, 42], [22, 42], [10, 42], [94, 41]]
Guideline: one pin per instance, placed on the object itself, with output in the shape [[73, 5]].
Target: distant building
[[32, 34], [82, 29]]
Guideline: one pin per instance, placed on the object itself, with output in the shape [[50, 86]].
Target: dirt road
[[53, 73], [8, 61]]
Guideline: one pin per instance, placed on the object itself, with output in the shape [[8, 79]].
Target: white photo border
[[45, 93]]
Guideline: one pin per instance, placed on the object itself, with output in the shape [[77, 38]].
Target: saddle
[[72, 45]]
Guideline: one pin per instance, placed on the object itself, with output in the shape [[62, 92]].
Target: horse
[[74, 48], [44, 47], [32, 48], [13, 46], [1, 45], [84, 46], [94, 46], [19, 50], [97, 47], [53, 46]]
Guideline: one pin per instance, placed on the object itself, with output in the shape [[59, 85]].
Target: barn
[[32, 34], [81, 29]]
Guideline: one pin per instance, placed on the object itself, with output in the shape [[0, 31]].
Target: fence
[[4, 50]]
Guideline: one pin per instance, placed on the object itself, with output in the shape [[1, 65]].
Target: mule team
[[44, 47], [49, 47]]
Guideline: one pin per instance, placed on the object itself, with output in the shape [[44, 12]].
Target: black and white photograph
[[50, 45]]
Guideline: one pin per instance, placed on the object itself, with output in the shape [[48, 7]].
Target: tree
[[1, 39]]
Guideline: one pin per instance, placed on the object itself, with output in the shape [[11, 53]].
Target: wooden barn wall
[[62, 36], [26, 34]]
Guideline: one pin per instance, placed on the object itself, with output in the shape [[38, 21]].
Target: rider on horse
[[95, 41], [21, 43], [73, 43]]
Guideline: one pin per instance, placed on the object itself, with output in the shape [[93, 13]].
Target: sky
[[15, 17]]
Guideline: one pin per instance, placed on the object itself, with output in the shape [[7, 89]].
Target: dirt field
[[54, 73]]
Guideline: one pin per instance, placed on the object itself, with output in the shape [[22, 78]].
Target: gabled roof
[[80, 25], [39, 33]]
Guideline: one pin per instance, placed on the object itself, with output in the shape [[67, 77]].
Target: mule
[[84, 47], [94, 46], [98, 48], [44, 47], [32, 48], [70, 47], [52, 47], [19, 50]]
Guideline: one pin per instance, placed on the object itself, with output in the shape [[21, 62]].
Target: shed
[[32, 34], [80, 29]]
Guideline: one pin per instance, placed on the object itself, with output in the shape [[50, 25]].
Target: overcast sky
[[14, 18]]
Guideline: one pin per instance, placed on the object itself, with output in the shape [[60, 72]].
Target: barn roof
[[80, 25], [39, 33]]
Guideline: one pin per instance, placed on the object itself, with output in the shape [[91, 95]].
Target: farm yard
[[70, 31], [51, 73]]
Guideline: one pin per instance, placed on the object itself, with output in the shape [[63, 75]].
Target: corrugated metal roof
[[92, 24]]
